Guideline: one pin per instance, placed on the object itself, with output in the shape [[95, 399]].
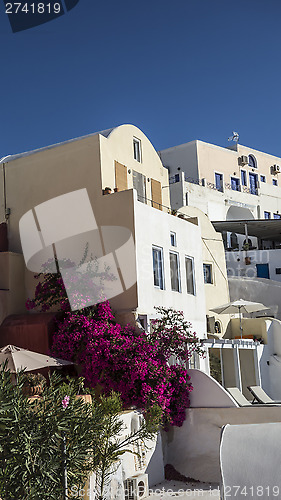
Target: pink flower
[[65, 402]]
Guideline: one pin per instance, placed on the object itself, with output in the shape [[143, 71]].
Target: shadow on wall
[[268, 292]]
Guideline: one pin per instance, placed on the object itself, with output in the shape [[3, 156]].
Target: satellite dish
[[234, 137]]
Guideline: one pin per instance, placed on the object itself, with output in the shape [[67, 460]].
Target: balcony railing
[[163, 208], [224, 186]]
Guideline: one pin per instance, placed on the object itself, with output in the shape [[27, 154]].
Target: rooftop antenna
[[234, 137]]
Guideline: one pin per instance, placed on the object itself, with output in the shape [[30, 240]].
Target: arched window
[[250, 244], [234, 240], [217, 327], [252, 161]]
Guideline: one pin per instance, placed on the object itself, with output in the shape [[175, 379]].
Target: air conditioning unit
[[136, 487], [243, 160], [275, 169]]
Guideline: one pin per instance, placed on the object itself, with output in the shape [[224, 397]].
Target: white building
[[229, 185], [168, 250], [239, 182]]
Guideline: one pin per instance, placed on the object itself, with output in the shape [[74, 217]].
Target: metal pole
[[246, 233], [240, 318], [65, 468]]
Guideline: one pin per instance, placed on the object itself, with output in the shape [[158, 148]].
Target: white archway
[[239, 213]]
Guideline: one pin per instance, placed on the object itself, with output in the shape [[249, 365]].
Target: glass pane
[[136, 150], [174, 271], [207, 268], [158, 268], [139, 183], [189, 275]]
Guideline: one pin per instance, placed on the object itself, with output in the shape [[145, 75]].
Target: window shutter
[[121, 176], [156, 194]]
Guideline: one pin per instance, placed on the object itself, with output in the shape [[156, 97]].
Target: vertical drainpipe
[[4, 189], [2, 160]]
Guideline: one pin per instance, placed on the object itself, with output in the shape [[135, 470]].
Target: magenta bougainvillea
[[122, 358]]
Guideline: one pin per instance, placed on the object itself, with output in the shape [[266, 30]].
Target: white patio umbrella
[[240, 306], [20, 359]]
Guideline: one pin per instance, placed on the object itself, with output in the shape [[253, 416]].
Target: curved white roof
[[9, 158]]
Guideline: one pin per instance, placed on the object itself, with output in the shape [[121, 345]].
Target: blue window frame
[[267, 215], [243, 178], [158, 267], [274, 182], [219, 181], [235, 184], [262, 178], [253, 181], [276, 216]]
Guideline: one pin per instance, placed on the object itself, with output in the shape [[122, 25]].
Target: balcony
[[223, 187]]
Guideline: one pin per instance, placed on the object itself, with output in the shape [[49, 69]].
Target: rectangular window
[[235, 184], [276, 216], [137, 149], [219, 181], [208, 273], [253, 183], [158, 267], [173, 239], [189, 270], [267, 215], [175, 272], [274, 182], [139, 183], [243, 177], [262, 178], [278, 270]]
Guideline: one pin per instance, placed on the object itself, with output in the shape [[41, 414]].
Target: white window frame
[[155, 247], [193, 274], [212, 273], [172, 233], [222, 180], [138, 157], [178, 271]]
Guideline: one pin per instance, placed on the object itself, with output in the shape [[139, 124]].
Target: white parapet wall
[[207, 392], [193, 449]]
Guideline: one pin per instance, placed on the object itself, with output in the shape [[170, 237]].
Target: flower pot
[[32, 390], [87, 398]]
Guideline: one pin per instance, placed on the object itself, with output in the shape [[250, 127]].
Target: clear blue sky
[[179, 70]]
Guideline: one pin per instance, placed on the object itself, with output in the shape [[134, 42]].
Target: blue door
[[253, 183], [262, 271], [235, 184]]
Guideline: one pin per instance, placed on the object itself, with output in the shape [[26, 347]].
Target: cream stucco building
[[169, 251]]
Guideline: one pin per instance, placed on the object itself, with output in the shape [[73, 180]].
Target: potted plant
[[34, 383]]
